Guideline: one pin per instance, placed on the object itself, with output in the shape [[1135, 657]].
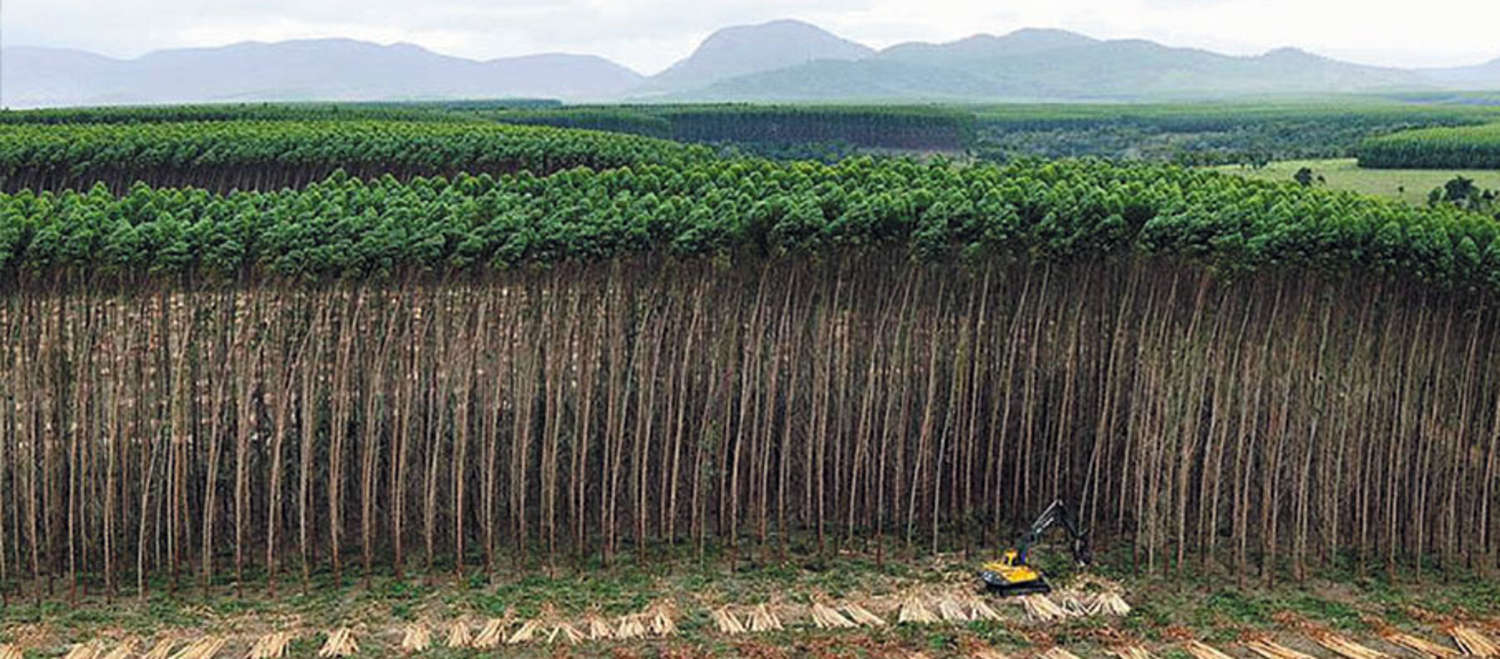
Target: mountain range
[[778, 61]]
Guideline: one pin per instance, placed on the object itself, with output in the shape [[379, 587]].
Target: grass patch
[[1409, 185]]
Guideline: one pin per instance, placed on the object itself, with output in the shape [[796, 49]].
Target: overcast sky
[[648, 35]]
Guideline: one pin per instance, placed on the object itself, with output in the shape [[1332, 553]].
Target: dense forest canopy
[[1188, 133], [1466, 147], [345, 227], [267, 155]]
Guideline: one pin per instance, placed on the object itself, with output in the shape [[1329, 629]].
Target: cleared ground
[[1168, 610], [1409, 185]]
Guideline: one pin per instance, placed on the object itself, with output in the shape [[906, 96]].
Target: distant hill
[[320, 69], [983, 47], [1481, 76], [1052, 64], [750, 49], [777, 61]]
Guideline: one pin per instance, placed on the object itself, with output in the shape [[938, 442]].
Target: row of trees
[[1269, 425], [876, 127], [1202, 136], [266, 155], [438, 373], [300, 111], [344, 227], [1467, 147]]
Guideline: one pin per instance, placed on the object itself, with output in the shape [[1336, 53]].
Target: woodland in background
[[1186, 133], [1465, 147]]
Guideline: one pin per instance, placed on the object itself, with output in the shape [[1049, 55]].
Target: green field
[[1410, 185]]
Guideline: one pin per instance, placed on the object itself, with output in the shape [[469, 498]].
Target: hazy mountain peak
[[334, 69], [785, 60], [1048, 37], [746, 49], [1024, 41], [1288, 53]]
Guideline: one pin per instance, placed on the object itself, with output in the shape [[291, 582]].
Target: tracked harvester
[[1012, 575]]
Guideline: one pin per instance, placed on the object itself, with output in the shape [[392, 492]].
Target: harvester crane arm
[[1011, 575], [1057, 512]]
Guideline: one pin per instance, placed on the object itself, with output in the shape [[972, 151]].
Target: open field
[[1165, 611], [1409, 185]]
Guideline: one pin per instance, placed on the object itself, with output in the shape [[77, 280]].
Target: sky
[[648, 35]]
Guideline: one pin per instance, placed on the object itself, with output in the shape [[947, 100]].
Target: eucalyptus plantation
[[878, 356]]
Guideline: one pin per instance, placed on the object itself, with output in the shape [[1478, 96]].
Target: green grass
[[1409, 185]]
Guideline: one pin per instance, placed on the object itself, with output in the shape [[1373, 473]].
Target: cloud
[[648, 35]]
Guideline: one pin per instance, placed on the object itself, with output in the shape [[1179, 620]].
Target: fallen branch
[[568, 632], [1346, 648], [762, 620], [1201, 650], [1274, 650], [827, 618], [203, 648], [951, 611], [1474, 643], [1110, 604], [90, 650], [161, 650], [1078, 607], [491, 635], [458, 635], [630, 627], [270, 646], [340, 643], [125, 650], [1057, 653], [8, 651], [416, 638], [661, 620], [913, 611], [982, 610], [1421, 645], [1041, 609], [1131, 652], [862, 616], [526, 634], [726, 622], [598, 629]]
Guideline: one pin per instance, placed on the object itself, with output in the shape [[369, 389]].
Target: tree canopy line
[[438, 373], [1188, 133], [222, 156], [1192, 134], [1462, 147]]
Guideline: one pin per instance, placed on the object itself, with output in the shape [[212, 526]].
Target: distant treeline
[[1201, 134], [407, 111], [1192, 134], [222, 156], [870, 126], [1184, 133], [1467, 147]]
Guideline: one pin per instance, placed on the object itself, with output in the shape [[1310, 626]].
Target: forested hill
[[780, 60], [1060, 65]]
